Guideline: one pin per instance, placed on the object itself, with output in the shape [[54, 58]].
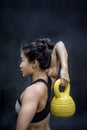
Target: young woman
[[41, 63]]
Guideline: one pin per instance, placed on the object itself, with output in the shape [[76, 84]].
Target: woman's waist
[[41, 125]]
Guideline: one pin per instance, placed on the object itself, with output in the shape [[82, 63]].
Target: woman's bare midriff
[[42, 125]]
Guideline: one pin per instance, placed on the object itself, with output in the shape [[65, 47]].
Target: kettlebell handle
[[56, 88]]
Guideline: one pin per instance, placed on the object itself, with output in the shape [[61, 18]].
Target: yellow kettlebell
[[62, 105]]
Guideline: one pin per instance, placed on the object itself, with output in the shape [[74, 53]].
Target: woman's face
[[26, 66]]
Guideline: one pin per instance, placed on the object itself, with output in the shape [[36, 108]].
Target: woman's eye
[[22, 59]]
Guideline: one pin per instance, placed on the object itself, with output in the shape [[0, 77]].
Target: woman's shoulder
[[36, 89]]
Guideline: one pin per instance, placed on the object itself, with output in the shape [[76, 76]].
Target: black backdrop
[[28, 20]]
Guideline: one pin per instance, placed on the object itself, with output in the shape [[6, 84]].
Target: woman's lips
[[22, 71]]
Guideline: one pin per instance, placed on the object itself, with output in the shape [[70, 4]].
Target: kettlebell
[[62, 104]]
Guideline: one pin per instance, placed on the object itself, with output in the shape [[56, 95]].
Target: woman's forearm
[[62, 54]]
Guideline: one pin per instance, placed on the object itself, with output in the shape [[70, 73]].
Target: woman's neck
[[39, 75]]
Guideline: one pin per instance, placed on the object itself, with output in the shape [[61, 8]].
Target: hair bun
[[41, 46], [47, 42]]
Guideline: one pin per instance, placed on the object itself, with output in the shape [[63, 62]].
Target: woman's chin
[[23, 75]]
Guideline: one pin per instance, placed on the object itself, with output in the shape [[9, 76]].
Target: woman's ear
[[34, 64]]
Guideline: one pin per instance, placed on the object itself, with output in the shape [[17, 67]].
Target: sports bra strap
[[39, 80]]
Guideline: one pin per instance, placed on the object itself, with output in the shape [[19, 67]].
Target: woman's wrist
[[64, 73]]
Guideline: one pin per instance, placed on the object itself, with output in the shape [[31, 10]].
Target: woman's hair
[[40, 50], [47, 42]]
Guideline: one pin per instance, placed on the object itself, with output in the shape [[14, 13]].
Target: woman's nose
[[20, 65]]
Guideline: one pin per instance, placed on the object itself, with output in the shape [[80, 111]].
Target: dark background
[[29, 20]]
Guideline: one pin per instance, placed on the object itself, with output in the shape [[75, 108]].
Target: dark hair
[[40, 50], [47, 42]]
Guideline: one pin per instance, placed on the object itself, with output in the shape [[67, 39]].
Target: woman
[[33, 107]]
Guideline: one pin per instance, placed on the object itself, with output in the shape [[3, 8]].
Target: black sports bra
[[42, 115]]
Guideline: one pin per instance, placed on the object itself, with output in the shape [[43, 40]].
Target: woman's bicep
[[27, 112]]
